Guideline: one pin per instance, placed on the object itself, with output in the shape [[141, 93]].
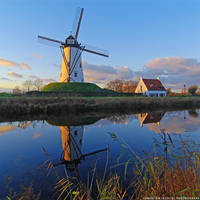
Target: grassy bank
[[27, 106]]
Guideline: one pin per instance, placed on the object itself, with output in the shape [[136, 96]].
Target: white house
[[151, 87]]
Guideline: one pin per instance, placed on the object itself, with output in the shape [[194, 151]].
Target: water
[[25, 146]]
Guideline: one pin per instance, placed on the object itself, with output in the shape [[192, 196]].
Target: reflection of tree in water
[[121, 119], [11, 126], [193, 113]]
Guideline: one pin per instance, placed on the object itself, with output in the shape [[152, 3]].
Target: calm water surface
[[25, 146]]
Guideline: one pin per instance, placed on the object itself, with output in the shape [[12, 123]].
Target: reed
[[168, 171], [168, 175]]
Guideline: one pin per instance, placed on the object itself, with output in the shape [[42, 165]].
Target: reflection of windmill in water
[[150, 118], [71, 52], [71, 144], [72, 147]]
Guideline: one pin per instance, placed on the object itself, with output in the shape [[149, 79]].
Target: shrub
[[192, 89]]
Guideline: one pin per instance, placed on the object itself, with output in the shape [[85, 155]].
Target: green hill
[[72, 87]]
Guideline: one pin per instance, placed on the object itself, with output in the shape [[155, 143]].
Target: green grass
[[72, 87], [5, 95]]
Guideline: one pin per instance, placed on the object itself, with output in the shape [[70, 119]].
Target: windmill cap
[[71, 41], [71, 37]]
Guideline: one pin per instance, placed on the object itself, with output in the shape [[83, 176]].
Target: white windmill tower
[[71, 53]]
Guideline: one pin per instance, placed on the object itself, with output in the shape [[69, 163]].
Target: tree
[[115, 85], [193, 113], [169, 91], [129, 86], [122, 86], [192, 89], [27, 85], [16, 90], [38, 83]]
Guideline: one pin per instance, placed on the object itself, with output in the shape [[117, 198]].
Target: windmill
[[71, 70]]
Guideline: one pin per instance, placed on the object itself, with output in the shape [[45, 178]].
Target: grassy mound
[[5, 95], [72, 87]]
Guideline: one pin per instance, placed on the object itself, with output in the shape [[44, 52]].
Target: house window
[[80, 65], [161, 94], [75, 74], [141, 89]]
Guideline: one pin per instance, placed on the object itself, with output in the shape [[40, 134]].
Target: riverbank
[[24, 107]]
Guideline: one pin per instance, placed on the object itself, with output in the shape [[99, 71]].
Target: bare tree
[[115, 85], [169, 91], [16, 90], [129, 86], [122, 86], [27, 85], [38, 83]]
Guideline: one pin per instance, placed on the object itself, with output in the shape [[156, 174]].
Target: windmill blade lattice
[[95, 50], [50, 39], [77, 22]]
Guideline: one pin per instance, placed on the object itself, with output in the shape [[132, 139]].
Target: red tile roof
[[154, 84]]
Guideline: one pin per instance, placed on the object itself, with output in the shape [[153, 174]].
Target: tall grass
[[168, 171], [109, 189], [172, 174], [156, 178]]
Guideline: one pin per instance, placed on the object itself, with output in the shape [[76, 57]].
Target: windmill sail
[[95, 50], [77, 22], [51, 40]]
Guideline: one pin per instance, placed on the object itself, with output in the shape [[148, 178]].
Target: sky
[[146, 38]]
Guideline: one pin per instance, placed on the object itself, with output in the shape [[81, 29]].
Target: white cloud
[[9, 63], [37, 56], [174, 71], [16, 75], [5, 79], [103, 73], [25, 66], [47, 80], [174, 66], [33, 76]]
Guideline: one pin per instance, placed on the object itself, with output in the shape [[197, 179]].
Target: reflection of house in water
[[176, 122], [150, 118]]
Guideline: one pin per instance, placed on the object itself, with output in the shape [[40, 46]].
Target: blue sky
[[143, 37]]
